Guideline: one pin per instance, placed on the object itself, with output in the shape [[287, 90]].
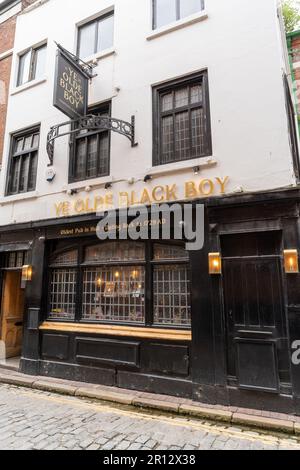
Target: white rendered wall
[[239, 43]]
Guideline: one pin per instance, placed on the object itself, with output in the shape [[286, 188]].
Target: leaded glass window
[[114, 294], [171, 286], [181, 130], [106, 283], [63, 285], [90, 151], [23, 162], [115, 251]]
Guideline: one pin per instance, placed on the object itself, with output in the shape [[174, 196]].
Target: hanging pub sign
[[70, 87]]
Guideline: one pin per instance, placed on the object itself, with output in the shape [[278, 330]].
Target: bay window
[[107, 282]]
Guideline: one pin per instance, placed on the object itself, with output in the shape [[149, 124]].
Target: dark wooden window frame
[[95, 21], [149, 263], [20, 156], [171, 86], [75, 137], [33, 63], [178, 17]]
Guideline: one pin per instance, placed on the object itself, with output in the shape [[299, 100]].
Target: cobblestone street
[[31, 419]]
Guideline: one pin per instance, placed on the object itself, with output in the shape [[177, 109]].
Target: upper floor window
[[90, 151], [181, 120], [167, 11], [32, 65], [96, 36], [23, 162]]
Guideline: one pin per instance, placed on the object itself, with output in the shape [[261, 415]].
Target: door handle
[[19, 323]]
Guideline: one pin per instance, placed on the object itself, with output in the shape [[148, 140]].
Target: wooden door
[[257, 355], [12, 311]]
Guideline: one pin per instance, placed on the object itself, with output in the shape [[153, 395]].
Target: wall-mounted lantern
[[291, 264], [26, 273], [215, 263]]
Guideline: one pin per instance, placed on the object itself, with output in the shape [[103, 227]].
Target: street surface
[[32, 419]]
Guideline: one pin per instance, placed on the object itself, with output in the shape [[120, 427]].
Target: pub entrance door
[[255, 318], [12, 311]]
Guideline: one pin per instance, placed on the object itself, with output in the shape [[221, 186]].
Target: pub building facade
[[188, 101]]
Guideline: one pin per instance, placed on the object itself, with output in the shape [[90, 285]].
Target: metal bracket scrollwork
[[90, 123]]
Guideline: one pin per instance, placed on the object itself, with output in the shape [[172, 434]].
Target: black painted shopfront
[[149, 316]]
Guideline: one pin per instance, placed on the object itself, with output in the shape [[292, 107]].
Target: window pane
[[182, 136], [105, 33], [65, 259], [63, 294], [167, 102], [24, 173], [87, 38], [115, 251], [165, 12], [167, 138], [40, 62], [19, 145], [92, 154], [20, 259], [14, 176], [32, 172], [104, 154], [167, 252], [198, 133], [188, 7], [27, 142], [114, 294], [196, 94], [24, 68], [36, 140], [182, 97], [172, 303], [80, 159]]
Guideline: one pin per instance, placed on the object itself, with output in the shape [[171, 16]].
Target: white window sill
[[95, 58], [18, 197], [27, 86], [181, 166], [192, 19]]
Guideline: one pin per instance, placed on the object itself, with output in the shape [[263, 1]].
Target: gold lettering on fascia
[[148, 196]]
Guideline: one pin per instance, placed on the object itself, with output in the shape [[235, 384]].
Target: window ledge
[[192, 19], [91, 183], [27, 86], [95, 58], [116, 330], [18, 197], [203, 162]]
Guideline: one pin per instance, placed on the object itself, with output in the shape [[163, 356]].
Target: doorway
[[257, 357], [12, 313]]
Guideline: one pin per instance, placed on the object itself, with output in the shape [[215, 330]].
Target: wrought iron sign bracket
[[87, 69], [90, 123]]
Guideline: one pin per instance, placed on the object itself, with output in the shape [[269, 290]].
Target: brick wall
[[296, 63], [7, 35]]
